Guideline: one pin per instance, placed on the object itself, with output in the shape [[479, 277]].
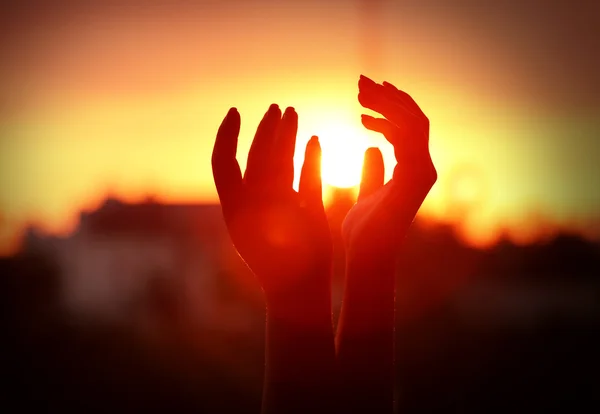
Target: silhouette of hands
[[379, 220], [281, 234]]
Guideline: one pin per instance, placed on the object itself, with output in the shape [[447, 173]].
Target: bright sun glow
[[343, 150]]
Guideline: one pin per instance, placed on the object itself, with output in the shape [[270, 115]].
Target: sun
[[343, 148]]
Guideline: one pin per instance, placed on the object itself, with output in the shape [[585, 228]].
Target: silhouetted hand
[[284, 238], [281, 234], [372, 232], [374, 227]]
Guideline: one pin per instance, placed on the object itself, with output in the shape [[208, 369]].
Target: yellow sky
[[131, 103]]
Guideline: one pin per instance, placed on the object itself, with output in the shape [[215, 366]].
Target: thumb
[[372, 173]]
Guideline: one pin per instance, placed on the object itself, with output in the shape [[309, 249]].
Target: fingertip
[[366, 79], [274, 109], [368, 121], [373, 153], [313, 144], [362, 99], [290, 111], [365, 82], [365, 117], [230, 124], [233, 114]]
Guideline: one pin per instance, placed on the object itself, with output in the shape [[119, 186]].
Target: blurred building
[[125, 258]]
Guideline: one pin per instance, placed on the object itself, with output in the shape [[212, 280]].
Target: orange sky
[[128, 100]]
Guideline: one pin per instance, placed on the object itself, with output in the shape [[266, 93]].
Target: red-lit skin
[[373, 231], [284, 238]]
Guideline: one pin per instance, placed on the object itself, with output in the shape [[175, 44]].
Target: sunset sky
[[126, 97]]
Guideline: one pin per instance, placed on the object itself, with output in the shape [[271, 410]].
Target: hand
[[375, 226], [372, 232], [281, 234], [284, 238]]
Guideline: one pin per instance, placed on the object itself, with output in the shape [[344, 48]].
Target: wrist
[[303, 308], [370, 284], [378, 266]]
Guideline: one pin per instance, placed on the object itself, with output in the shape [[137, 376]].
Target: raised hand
[[284, 238], [376, 224], [281, 234], [372, 232]]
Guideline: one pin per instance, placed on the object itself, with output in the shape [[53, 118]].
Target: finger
[[399, 137], [388, 90], [283, 153], [369, 87], [310, 177], [376, 100], [226, 170], [260, 160], [372, 174], [380, 125], [404, 97]]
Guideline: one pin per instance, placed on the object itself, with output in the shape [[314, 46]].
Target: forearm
[[300, 369], [365, 336]]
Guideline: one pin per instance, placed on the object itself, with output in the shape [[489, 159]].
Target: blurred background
[[120, 287]]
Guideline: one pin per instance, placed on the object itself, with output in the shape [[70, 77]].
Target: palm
[[281, 240], [365, 223], [281, 234]]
